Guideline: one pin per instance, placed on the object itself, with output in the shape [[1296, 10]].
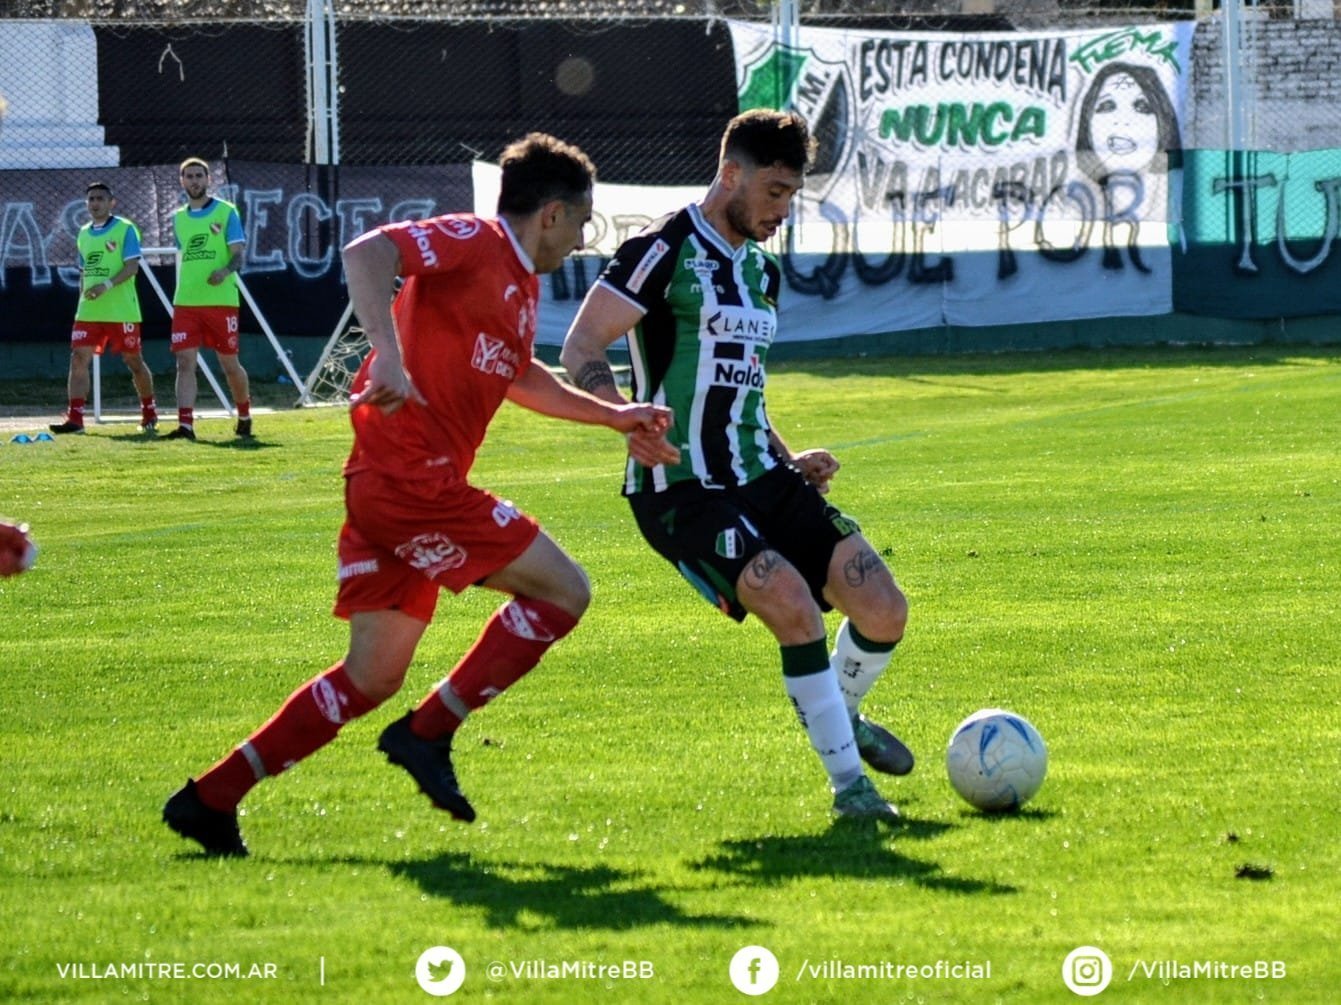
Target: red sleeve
[[439, 244]]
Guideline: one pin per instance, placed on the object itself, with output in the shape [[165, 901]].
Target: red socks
[[186, 417], [308, 721], [512, 643], [75, 414], [244, 409]]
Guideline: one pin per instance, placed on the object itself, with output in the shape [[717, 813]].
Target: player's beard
[[737, 215]]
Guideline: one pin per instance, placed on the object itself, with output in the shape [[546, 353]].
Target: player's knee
[[886, 621], [782, 600], [575, 595], [376, 682]]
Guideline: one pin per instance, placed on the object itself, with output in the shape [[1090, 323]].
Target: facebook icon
[[754, 970]]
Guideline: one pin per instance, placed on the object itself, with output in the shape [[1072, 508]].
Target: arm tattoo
[[858, 568], [760, 570], [594, 375]]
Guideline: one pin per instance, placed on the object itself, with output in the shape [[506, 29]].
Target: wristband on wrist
[[106, 285]]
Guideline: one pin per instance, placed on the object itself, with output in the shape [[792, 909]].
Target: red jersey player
[[447, 350]]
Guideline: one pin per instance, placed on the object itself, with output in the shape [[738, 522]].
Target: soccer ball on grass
[[996, 760]]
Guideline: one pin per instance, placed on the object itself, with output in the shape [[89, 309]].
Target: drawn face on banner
[[1124, 127], [1127, 123]]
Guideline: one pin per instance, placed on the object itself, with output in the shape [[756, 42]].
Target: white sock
[[857, 669], [819, 706]]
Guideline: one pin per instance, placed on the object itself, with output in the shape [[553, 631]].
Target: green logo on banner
[[770, 84]]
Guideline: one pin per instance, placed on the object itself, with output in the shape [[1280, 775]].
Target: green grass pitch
[[1138, 550]]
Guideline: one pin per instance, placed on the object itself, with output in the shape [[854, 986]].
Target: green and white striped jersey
[[710, 316]]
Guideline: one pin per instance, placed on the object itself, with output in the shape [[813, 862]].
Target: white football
[[996, 760]]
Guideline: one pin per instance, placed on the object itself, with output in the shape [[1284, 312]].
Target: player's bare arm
[[372, 264], [540, 391], [126, 272], [233, 264], [603, 318]]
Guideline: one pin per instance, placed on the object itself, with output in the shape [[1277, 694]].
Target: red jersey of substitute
[[465, 319]]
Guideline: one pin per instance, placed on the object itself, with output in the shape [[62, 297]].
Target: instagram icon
[[1087, 971]]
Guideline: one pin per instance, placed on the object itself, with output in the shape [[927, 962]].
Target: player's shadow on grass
[[238, 443], [232, 443], [851, 849], [524, 895]]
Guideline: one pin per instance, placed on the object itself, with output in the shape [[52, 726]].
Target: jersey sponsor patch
[[492, 355], [458, 227], [654, 254], [197, 248], [739, 324], [423, 241], [739, 373]]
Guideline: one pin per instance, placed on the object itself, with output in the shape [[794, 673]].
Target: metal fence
[[316, 109]]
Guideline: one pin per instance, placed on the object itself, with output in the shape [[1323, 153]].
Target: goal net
[[333, 375]]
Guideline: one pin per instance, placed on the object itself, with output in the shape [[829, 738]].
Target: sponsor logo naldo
[[782, 77]]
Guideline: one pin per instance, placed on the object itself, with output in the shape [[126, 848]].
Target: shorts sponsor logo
[[362, 568], [844, 525], [179, 337], [505, 513], [432, 554], [328, 700], [654, 254], [524, 623]]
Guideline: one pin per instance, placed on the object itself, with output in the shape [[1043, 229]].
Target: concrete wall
[[1290, 87]]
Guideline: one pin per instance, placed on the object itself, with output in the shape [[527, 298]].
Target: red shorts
[[205, 327], [109, 336], [403, 541]]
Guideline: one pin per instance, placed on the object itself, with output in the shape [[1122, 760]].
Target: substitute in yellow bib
[[210, 240], [108, 315]]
